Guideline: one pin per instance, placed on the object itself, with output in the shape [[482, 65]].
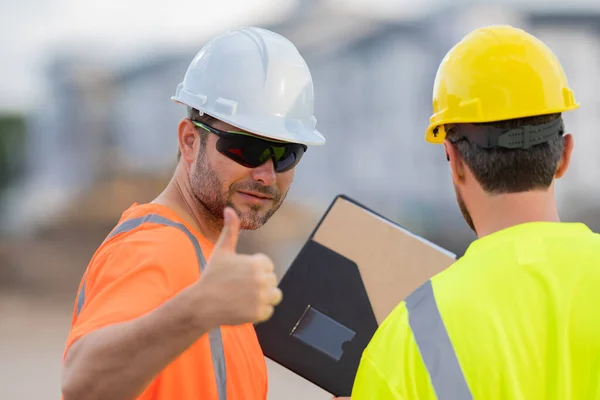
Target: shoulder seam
[[381, 375]]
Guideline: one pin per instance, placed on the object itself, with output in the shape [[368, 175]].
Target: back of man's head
[[502, 170], [499, 95]]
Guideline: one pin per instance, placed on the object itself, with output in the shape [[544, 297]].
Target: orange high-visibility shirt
[[139, 267]]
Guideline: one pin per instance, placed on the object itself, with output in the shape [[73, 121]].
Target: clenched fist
[[241, 288]]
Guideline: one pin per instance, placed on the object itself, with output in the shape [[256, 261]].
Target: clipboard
[[353, 270]]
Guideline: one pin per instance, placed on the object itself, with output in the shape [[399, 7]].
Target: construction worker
[[517, 316], [166, 307]]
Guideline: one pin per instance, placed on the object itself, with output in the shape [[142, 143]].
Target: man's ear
[[565, 159], [188, 140], [457, 165]]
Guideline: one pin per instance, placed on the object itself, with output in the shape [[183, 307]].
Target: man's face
[[217, 182], [463, 209], [458, 171]]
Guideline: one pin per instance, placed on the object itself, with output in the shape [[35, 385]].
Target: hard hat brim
[[276, 128], [439, 138]]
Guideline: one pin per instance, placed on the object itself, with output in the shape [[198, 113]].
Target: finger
[[265, 313], [265, 263], [276, 296], [231, 231], [270, 280]]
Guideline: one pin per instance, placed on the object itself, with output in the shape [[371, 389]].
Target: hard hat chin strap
[[518, 138]]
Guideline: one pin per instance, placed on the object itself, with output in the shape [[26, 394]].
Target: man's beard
[[207, 188], [463, 209]]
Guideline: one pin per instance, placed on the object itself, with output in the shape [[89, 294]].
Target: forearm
[[119, 361]]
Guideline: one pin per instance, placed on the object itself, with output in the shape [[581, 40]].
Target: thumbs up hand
[[243, 288]]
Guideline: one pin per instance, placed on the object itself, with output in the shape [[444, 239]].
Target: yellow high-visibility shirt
[[517, 317]]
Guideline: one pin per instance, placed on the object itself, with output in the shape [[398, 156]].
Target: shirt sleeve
[[370, 383], [130, 279]]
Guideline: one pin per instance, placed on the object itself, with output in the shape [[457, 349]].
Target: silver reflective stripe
[[215, 338], [434, 345], [81, 296], [218, 358]]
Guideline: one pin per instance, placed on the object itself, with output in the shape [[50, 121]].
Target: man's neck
[[179, 197], [498, 212]]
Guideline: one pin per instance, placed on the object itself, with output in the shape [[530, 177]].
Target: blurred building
[[373, 79]]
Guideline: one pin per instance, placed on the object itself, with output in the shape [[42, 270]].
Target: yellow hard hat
[[497, 73]]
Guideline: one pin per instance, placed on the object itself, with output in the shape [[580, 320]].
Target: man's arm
[[119, 361]]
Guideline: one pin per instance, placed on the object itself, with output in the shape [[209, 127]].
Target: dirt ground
[[32, 335]]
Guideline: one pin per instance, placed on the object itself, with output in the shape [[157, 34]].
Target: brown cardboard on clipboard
[[392, 261], [353, 270]]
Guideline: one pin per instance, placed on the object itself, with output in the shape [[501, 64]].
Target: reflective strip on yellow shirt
[[434, 345]]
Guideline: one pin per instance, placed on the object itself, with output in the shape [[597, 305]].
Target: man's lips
[[255, 194]]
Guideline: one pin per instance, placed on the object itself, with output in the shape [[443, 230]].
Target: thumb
[[231, 231]]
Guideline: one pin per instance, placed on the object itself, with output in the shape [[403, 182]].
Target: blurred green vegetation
[[12, 149]]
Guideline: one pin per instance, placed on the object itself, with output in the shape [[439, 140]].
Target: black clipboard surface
[[355, 267]]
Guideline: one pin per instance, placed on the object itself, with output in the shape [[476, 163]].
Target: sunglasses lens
[[252, 152], [290, 158]]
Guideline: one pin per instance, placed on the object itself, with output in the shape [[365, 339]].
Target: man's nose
[[265, 173]]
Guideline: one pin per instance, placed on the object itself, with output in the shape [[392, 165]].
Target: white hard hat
[[255, 80]]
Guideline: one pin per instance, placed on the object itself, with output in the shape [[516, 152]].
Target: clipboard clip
[[322, 333]]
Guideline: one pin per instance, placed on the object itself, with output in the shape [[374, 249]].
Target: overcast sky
[[32, 30]]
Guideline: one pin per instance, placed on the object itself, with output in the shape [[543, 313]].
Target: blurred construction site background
[[87, 128]]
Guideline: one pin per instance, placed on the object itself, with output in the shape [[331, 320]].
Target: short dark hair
[[502, 170], [194, 115]]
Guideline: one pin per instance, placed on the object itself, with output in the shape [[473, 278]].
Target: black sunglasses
[[251, 151]]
